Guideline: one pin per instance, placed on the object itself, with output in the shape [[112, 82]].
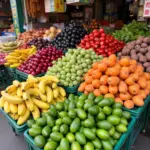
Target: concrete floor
[[8, 140]]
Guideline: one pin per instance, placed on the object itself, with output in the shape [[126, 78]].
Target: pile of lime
[[88, 122]]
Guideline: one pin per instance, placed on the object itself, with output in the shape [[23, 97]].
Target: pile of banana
[[18, 56], [9, 46], [34, 96]]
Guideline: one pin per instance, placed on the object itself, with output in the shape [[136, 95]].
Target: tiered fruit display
[[17, 57], [80, 122], [39, 62], [123, 79], [8, 47], [20, 100], [102, 43], [2, 58], [39, 43], [70, 36], [138, 50], [52, 33], [71, 67], [29, 35]]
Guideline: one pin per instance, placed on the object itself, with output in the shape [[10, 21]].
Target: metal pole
[[25, 12]]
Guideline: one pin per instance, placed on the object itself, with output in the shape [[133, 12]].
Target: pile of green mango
[[85, 122]]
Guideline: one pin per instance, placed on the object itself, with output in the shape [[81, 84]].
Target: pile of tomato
[[102, 43]]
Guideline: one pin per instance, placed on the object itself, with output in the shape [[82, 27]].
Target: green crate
[[139, 125], [11, 72], [15, 127], [79, 93], [137, 111], [118, 146], [124, 136], [6, 77], [21, 76], [71, 89], [30, 141]]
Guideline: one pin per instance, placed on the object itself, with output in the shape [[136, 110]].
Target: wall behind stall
[[5, 7]]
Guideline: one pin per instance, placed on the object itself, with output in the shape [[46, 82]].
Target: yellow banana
[[24, 118], [43, 96], [36, 113], [42, 85], [12, 61], [15, 65], [7, 64], [40, 104], [27, 85], [19, 92], [16, 83], [16, 116], [12, 115], [11, 89], [54, 85], [32, 78], [10, 57], [49, 94], [21, 109], [56, 92], [62, 91], [12, 99], [14, 93], [2, 101], [35, 85], [7, 107], [53, 102], [44, 110], [13, 108], [51, 78], [30, 104], [29, 92]]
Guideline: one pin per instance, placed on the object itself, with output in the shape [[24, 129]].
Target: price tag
[[146, 12]]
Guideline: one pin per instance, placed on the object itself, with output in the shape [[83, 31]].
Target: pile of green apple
[[71, 68]]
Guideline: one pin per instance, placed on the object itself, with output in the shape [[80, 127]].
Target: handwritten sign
[[146, 12]]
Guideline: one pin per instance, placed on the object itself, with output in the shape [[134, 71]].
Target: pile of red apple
[[2, 58], [39, 62], [102, 43]]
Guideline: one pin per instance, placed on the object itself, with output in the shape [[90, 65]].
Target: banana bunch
[[9, 46], [17, 57], [23, 99]]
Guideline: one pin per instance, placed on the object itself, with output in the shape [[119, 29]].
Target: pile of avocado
[[85, 122]]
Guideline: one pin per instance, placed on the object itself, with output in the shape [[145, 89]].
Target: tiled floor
[[8, 140]]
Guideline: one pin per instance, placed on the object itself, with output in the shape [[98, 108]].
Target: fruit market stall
[[78, 89]]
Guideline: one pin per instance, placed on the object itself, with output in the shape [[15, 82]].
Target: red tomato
[[101, 30]]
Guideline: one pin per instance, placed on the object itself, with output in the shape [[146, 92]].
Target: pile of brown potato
[[138, 50]]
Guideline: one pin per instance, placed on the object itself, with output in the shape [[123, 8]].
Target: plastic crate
[[139, 125], [124, 136], [15, 127], [72, 89], [118, 146], [21, 76], [30, 141], [5, 77], [79, 93], [12, 73], [137, 111]]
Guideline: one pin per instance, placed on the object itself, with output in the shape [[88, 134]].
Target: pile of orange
[[122, 79]]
